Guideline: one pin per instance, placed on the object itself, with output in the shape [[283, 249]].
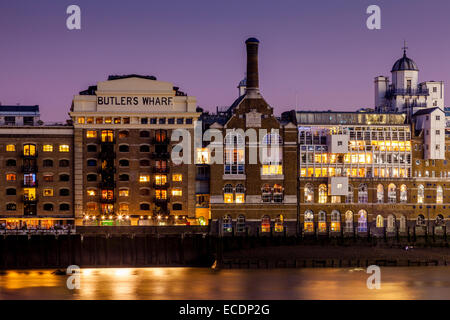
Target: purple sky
[[319, 51]]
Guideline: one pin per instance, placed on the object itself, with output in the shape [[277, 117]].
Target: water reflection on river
[[192, 283]]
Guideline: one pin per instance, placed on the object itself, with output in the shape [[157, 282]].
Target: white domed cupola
[[405, 74]]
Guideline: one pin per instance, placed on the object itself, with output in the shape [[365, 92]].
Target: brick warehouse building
[[346, 172]]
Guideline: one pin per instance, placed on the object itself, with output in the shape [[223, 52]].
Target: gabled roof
[[426, 111]]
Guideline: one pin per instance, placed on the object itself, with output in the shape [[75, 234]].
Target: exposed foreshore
[[199, 249]]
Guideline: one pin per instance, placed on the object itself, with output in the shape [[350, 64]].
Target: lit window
[[10, 147], [91, 193], [91, 134], [108, 120], [48, 192], [309, 221], [144, 178], [279, 227], [63, 148], [177, 177], [309, 193], [108, 194], [11, 177], [124, 208], [124, 193], [161, 194], [117, 120], [272, 169], [177, 192], [203, 156], [107, 136], [47, 148], [322, 193], [439, 194], [240, 193], [265, 224], [90, 120], [29, 150], [80, 120], [160, 179], [420, 193], [228, 193]]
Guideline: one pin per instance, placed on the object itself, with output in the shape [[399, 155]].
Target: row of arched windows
[[363, 195], [47, 207], [227, 224]]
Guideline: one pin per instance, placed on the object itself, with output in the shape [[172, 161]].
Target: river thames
[[202, 283]]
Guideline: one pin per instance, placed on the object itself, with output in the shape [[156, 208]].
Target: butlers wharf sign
[[134, 101]]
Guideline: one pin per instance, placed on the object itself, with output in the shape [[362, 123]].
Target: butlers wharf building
[[382, 171]]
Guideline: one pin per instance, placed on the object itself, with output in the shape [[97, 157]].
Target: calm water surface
[[198, 283]]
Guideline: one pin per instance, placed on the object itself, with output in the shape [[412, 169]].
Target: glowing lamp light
[[159, 217], [86, 217], [127, 217], [176, 217], [142, 217], [110, 217], [120, 217], [103, 217]]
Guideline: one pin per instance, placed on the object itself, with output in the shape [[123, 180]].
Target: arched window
[[124, 163], [380, 193], [64, 192], [349, 221], [362, 221], [124, 177], [144, 206], [322, 217], [277, 193], [47, 163], [64, 207], [439, 220], [265, 224], [335, 221], [124, 148], [48, 207], [227, 224], [420, 193], [240, 224], [29, 150], [363, 195], [392, 193], [309, 193], [91, 148], [144, 134], [322, 193], [391, 223], [420, 220], [91, 177], [228, 193], [10, 192], [380, 221], [11, 163], [177, 207], [91, 163], [144, 148], [439, 194], [144, 192], [403, 193], [144, 163], [279, 223], [64, 163], [64, 177], [123, 134], [402, 223], [350, 194], [240, 193], [11, 207], [266, 193], [309, 221]]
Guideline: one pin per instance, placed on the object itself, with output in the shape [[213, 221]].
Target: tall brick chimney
[[252, 89]]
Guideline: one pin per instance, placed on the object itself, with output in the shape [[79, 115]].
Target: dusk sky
[[318, 51]]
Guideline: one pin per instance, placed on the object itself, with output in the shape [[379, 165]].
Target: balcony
[[29, 169], [160, 170], [160, 155], [407, 92]]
